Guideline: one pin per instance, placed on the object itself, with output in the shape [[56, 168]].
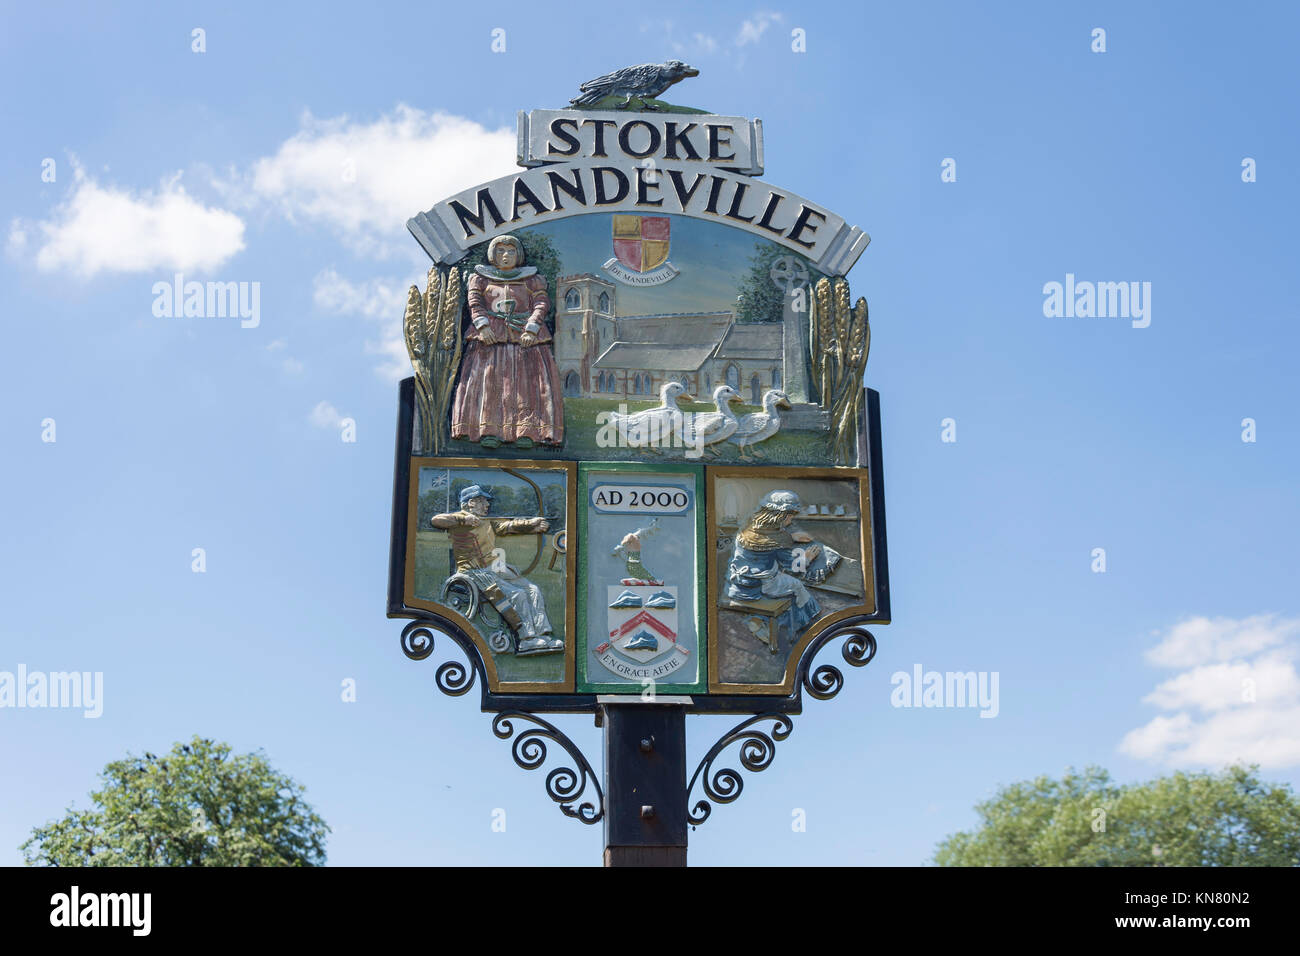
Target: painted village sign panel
[[636, 452]]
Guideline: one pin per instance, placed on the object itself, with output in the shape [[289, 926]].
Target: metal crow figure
[[634, 82]]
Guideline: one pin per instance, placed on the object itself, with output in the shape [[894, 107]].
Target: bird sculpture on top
[[642, 83]]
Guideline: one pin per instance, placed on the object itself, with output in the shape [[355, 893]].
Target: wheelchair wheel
[[492, 619], [460, 594]]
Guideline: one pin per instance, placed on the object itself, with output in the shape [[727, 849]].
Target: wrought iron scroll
[[757, 749], [453, 678], [565, 785], [826, 680]]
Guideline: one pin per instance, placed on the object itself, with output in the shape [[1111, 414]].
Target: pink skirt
[[510, 392]]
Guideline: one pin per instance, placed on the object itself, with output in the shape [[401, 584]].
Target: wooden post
[[645, 781]]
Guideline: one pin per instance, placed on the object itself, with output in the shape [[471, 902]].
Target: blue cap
[[473, 491]]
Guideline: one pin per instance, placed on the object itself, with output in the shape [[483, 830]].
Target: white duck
[[652, 427], [700, 429], [760, 426]]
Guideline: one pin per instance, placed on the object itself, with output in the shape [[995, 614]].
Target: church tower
[[586, 311]]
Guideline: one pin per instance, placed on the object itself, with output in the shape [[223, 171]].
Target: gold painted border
[[817, 625], [496, 685]]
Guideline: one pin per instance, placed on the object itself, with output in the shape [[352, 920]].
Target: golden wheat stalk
[[814, 342], [825, 339], [449, 340], [412, 324], [417, 346], [848, 402], [433, 324], [862, 338], [431, 328], [837, 345], [842, 314], [445, 339]]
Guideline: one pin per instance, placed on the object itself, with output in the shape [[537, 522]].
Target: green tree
[[1187, 819], [432, 502], [761, 300], [197, 806]]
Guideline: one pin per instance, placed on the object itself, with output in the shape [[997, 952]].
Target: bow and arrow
[[541, 513]]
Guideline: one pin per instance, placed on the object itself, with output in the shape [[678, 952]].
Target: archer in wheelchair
[[511, 608]]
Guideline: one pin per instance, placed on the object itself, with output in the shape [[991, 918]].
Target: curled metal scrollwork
[[757, 749], [453, 678], [565, 785], [826, 680]]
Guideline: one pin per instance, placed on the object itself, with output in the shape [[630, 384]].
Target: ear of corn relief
[[841, 340], [432, 331]]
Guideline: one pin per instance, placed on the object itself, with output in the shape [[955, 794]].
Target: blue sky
[[290, 154]]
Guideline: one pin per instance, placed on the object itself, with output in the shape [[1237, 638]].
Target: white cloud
[[698, 44], [325, 415], [1199, 639], [288, 363], [752, 30], [362, 181], [378, 300], [108, 229], [16, 243], [1236, 699], [394, 364], [1215, 687], [704, 42]]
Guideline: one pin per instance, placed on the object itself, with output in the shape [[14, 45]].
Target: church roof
[[674, 328], [752, 340], [679, 315], [649, 356]]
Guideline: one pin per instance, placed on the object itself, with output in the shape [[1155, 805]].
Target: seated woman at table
[[771, 561]]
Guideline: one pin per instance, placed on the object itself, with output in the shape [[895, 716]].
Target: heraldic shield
[[641, 242]]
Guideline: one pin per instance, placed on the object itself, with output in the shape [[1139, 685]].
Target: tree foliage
[[1187, 819], [197, 806], [761, 299], [513, 499]]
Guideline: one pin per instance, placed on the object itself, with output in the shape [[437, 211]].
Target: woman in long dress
[[509, 388]]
